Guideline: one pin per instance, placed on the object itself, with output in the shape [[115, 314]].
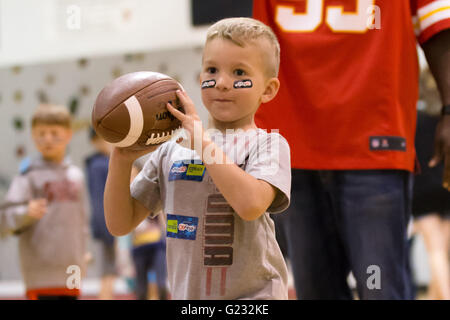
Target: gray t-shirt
[[211, 252], [50, 245]]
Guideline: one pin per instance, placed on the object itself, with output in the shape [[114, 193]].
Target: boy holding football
[[217, 189]]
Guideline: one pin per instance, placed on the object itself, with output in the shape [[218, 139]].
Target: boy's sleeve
[[270, 161], [14, 213], [145, 187]]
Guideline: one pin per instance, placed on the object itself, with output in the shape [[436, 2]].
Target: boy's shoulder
[[263, 137], [270, 133], [30, 164]]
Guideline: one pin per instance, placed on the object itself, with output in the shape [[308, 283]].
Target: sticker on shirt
[[187, 170], [182, 227], [387, 143]]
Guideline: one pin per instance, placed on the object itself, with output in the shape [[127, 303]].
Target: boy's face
[[226, 62], [51, 140]]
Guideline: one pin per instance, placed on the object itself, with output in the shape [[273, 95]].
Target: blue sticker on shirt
[[192, 170], [182, 227]]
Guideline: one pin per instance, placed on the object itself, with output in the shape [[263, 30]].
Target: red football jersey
[[349, 79]]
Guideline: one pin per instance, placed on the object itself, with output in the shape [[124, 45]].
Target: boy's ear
[[272, 86]]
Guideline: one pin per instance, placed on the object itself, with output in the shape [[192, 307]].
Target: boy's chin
[[224, 118], [223, 123], [232, 121], [52, 156]]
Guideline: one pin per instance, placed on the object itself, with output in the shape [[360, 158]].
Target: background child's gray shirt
[[47, 247], [211, 252]]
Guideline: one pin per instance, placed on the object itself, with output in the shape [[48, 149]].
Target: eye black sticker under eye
[[243, 84], [208, 84]]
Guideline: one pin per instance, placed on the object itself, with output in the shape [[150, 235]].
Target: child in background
[[97, 171], [149, 254], [47, 210], [217, 192]]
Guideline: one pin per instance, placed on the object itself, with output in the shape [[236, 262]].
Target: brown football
[[131, 111]]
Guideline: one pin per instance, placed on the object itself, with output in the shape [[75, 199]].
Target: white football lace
[[157, 138]]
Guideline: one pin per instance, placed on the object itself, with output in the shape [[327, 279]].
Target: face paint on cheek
[[243, 84], [208, 84]]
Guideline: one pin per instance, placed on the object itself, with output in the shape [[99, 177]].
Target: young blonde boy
[[46, 208], [218, 189]]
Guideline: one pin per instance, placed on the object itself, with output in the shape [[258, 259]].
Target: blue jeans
[[342, 221]]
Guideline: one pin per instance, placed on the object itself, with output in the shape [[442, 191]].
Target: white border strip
[[136, 123]]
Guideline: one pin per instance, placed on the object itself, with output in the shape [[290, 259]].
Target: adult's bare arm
[[437, 52]]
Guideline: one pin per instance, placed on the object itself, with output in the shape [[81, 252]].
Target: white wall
[[33, 31]]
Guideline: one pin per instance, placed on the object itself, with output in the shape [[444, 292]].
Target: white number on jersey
[[360, 21]]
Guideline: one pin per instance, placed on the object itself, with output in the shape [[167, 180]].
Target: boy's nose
[[223, 82]]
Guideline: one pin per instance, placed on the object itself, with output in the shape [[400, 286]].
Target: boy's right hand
[[37, 208]]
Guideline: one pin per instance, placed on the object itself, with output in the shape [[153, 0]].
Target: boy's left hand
[[190, 120]]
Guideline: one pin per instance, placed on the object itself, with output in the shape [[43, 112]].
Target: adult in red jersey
[[347, 106]]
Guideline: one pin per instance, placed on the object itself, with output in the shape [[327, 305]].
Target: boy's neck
[[224, 126], [54, 159]]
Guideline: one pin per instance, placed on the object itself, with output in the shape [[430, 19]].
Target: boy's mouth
[[48, 149]]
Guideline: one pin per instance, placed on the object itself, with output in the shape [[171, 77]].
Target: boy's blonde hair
[[51, 114], [241, 30]]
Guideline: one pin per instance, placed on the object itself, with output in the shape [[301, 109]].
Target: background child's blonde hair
[[240, 30], [51, 114]]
